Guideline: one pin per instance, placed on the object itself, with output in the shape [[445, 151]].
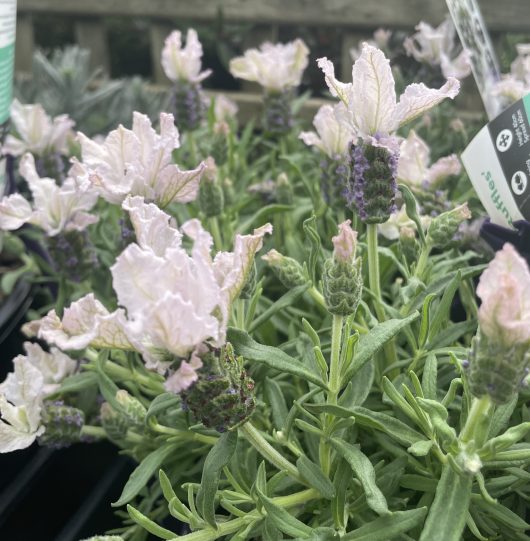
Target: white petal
[[414, 157], [340, 90], [54, 366], [373, 92], [176, 186], [151, 225], [444, 167], [417, 99], [15, 211]]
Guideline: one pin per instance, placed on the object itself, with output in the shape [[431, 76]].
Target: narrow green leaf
[[78, 382], [165, 485], [320, 534], [411, 207], [504, 441], [420, 448], [143, 472], [283, 302], [388, 527], [429, 380], [447, 516], [311, 233], [218, 457], [452, 334], [341, 481], [315, 477], [261, 216], [276, 400], [369, 344], [364, 471], [501, 416], [149, 525], [425, 319], [441, 316], [161, 403], [395, 428], [359, 387], [273, 357], [283, 520]]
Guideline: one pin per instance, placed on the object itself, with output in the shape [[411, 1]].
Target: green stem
[[317, 297], [183, 434], [390, 355], [267, 451], [334, 364], [480, 408], [216, 233], [226, 528], [93, 432], [422, 261]]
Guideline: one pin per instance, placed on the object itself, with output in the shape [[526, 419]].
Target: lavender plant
[[345, 385]]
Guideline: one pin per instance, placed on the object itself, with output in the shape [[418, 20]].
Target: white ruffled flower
[[37, 132], [53, 365], [332, 136], [183, 63], [224, 108], [54, 208], [436, 46], [504, 289], [86, 322], [21, 396], [414, 165], [174, 301], [370, 99], [276, 67], [516, 84], [381, 39], [139, 162]]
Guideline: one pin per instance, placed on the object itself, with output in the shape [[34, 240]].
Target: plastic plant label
[[8, 18], [8, 13], [475, 39], [498, 163]]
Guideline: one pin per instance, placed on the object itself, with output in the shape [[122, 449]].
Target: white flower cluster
[[437, 47], [172, 302], [36, 375]]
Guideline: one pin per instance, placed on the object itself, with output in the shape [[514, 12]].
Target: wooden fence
[[356, 19]]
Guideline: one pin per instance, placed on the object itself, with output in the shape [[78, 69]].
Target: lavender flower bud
[[284, 190], [444, 227], [495, 369], [250, 284], [114, 422], [134, 410], [211, 195], [277, 118], [223, 395], [342, 282], [63, 425], [372, 187], [288, 270], [188, 105]]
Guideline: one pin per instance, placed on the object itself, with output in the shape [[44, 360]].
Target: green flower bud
[[288, 270], [63, 425], [211, 195], [284, 190], [495, 369], [114, 422], [228, 191], [133, 409], [223, 396], [219, 150], [443, 227], [342, 281]]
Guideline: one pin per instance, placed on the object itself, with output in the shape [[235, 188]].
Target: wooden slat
[[24, 44], [158, 31], [90, 34], [505, 15]]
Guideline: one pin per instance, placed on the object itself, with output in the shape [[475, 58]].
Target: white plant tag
[[498, 163], [475, 39]]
